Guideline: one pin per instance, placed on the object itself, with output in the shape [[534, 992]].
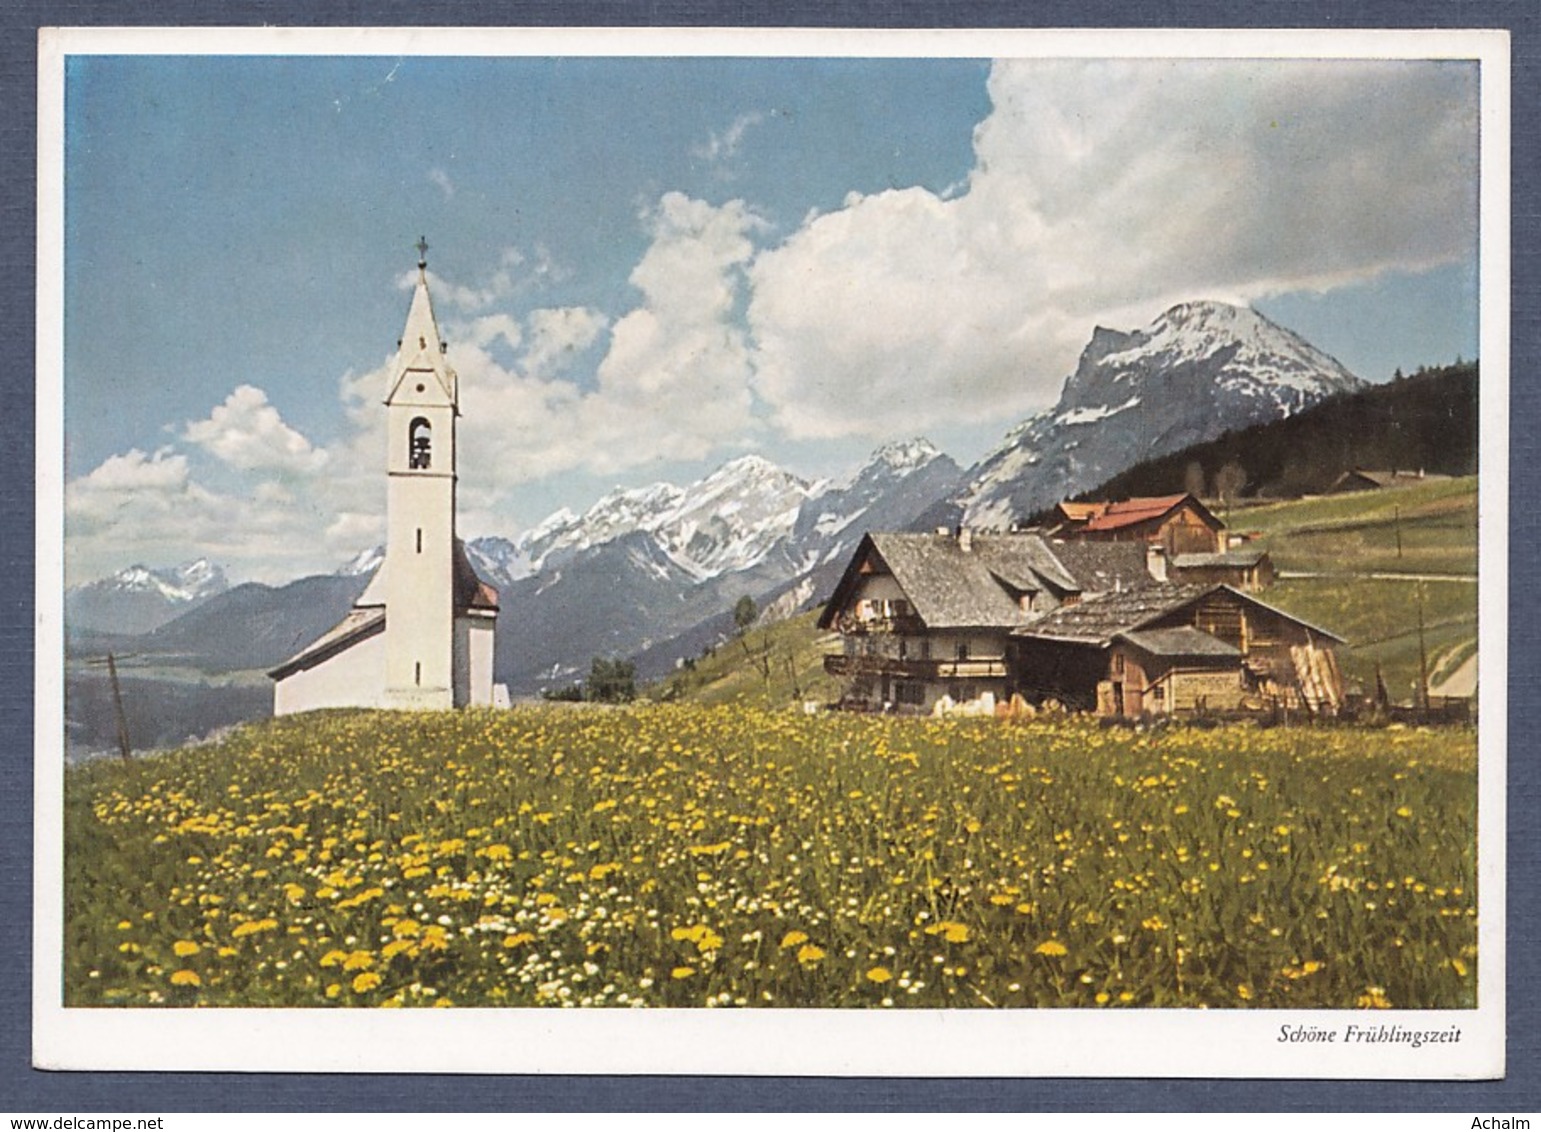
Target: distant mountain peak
[[140, 598], [905, 455], [364, 562], [1197, 370]]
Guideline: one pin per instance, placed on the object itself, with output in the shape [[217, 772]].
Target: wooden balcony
[[913, 668], [905, 624]]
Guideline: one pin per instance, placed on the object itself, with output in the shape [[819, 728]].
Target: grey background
[[25, 1090]]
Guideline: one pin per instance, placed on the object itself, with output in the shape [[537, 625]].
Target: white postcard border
[[961, 1043]]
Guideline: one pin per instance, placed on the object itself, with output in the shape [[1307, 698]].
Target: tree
[[1193, 479], [1229, 482], [611, 681], [745, 613]]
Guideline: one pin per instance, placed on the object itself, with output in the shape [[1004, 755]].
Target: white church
[[421, 634]]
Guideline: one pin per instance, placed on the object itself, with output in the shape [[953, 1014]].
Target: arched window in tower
[[419, 443]]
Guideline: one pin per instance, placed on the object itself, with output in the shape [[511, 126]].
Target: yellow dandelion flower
[[185, 978], [1244, 992], [333, 990], [396, 947], [1373, 998], [1404, 812], [364, 981], [1103, 998], [682, 972], [517, 938], [794, 938], [1051, 947], [358, 961], [1459, 967], [182, 948], [879, 975], [809, 953]]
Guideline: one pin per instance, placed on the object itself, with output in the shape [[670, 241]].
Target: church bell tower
[[420, 550]]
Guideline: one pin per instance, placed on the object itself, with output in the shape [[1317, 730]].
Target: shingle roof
[[1185, 641], [357, 625], [1099, 567], [1115, 516], [1097, 620], [1222, 558], [952, 588], [955, 588], [470, 591]]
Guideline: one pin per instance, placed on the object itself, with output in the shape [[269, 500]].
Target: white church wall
[[354, 677], [473, 660]]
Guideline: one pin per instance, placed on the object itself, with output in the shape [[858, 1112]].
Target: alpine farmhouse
[[1131, 610]]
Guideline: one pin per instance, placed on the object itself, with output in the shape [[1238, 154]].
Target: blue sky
[[646, 267]]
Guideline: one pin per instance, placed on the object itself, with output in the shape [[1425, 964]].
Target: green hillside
[[1370, 560], [1327, 548], [769, 666]]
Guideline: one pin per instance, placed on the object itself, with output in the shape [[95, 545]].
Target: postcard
[[772, 552]]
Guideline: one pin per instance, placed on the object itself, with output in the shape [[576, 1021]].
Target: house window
[[419, 443], [925, 648], [904, 649], [1158, 692], [899, 608], [909, 692], [960, 652], [1118, 664]]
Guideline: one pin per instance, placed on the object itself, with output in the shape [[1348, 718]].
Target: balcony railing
[[851, 625], [914, 668]]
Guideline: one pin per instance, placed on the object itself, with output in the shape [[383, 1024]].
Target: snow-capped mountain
[[1197, 371], [366, 561], [644, 567], [725, 522], [140, 598]]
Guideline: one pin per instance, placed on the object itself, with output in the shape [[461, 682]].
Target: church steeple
[[421, 635], [418, 574], [420, 353]]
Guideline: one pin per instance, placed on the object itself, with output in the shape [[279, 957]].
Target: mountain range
[[653, 572]]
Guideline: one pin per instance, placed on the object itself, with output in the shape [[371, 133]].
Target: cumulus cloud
[[153, 509], [674, 380], [557, 334], [441, 179], [248, 433], [1103, 191]]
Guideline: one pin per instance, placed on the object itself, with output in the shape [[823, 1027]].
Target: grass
[[1358, 532], [676, 855], [770, 666]]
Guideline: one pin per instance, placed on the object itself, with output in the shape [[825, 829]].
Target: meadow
[[684, 855]]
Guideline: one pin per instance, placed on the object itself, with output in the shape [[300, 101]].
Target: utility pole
[[1423, 658], [117, 704]]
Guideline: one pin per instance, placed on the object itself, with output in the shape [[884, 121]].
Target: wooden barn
[[1177, 649], [1175, 524]]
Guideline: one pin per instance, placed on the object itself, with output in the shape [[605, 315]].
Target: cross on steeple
[[422, 251]]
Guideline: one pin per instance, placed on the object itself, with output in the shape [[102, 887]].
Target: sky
[[645, 267]]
